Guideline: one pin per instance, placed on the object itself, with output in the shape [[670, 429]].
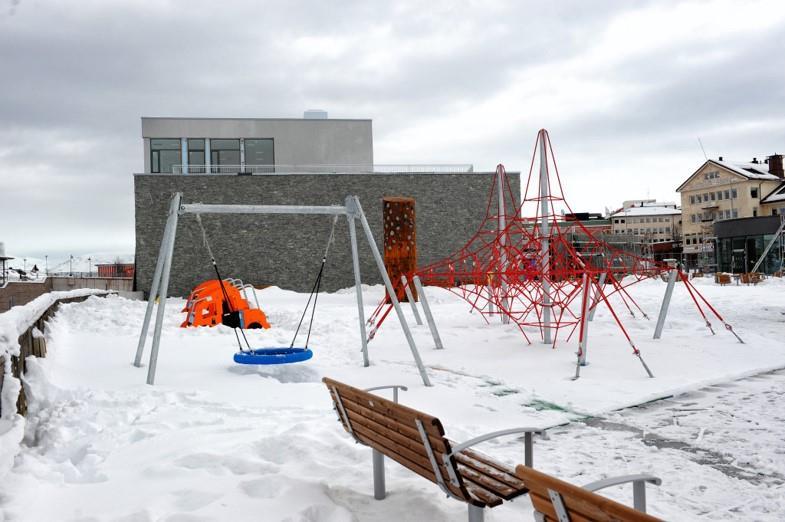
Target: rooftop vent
[[315, 114]]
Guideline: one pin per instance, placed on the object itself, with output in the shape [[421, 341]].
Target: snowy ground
[[215, 441]]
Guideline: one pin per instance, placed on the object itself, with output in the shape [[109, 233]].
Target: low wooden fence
[[33, 342]]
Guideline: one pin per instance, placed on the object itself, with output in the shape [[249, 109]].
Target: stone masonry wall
[[286, 250]]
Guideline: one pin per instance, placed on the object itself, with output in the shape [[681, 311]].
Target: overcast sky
[[625, 89]]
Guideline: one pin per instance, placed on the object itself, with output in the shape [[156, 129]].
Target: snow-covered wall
[[13, 324]]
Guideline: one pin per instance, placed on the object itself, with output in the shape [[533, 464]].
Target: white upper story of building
[[647, 221], [254, 145]]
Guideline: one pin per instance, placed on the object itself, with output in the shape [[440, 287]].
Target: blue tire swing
[[283, 354]]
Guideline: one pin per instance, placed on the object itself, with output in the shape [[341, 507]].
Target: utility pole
[[46, 265], [71, 265]]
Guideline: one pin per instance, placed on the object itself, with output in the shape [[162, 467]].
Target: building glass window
[[727, 194], [259, 152], [224, 153], [719, 195], [754, 192], [735, 213], [692, 200], [711, 196], [733, 193], [164, 154], [196, 155]]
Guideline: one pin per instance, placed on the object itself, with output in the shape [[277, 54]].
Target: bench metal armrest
[[529, 449], [638, 486], [395, 388]]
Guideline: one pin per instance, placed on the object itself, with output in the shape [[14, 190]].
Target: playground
[[214, 440], [214, 407]]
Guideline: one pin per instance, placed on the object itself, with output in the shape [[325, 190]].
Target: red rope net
[[530, 266]]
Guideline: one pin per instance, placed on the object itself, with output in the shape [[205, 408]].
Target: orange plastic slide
[[206, 306]]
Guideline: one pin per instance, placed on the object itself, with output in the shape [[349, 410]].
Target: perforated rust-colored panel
[[400, 242]]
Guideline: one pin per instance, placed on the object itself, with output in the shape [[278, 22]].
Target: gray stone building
[[323, 165]]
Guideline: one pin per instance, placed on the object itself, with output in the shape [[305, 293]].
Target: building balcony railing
[[445, 168]]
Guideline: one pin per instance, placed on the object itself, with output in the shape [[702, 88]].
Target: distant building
[[254, 145], [647, 221], [309, 161], [721, 190], [741, 243], [115, 270]]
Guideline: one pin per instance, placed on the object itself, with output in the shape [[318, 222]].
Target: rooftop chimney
[[775, 165], [755, 160], [720, 158]]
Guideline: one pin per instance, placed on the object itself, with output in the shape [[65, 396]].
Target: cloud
[[625, 88]]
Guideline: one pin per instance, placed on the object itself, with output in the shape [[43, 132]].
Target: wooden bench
[[554, 499], [722, 279], [751, 278], [416, 441]]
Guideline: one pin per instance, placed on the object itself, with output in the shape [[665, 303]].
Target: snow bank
[[217, 441], [12, 425], [14, 323]]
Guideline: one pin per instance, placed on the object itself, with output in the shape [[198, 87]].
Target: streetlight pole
[[46, 265], [71, 265], [89, 267]]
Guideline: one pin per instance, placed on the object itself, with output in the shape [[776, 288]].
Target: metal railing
[[442, 168]]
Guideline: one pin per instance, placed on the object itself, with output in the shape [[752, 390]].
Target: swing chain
[[315, 290]]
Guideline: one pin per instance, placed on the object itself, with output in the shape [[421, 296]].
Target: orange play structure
[[212, 303]]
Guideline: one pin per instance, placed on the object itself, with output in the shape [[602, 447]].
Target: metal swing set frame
[[351, 209]]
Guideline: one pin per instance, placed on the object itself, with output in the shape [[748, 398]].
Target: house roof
[[747, 170], [778, 194]]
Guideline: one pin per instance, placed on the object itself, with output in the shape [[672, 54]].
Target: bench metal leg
[[476, 514], [379, 491], [639, 495]]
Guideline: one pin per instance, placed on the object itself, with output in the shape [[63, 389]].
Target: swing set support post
[[412, 301], [390, 290], [159, 267], [666, 301], [352, 210], [350, 218], [428, 315]]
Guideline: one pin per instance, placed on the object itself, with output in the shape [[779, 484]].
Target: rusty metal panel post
[[400, 242]]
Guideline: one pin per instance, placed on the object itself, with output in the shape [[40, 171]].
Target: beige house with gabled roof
[[720, 190]]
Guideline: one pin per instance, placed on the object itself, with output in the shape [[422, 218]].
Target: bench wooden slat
[[577, 500], [398, 452], [544, 506], [482, 495], [406, 430], [491, 484], [394, 410], [483, 465]]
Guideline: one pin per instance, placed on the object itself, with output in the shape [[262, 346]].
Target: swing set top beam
[[199, 208]]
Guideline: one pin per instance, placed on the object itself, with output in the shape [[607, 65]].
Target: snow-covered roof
[[748, 170], [778, 194], [647, 211]]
